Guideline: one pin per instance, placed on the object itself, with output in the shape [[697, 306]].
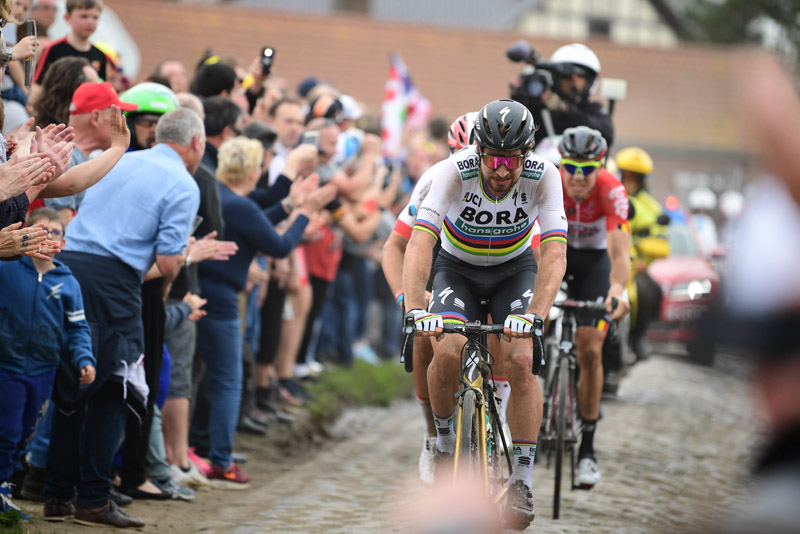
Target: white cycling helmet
[[702, 198], [731, 204]]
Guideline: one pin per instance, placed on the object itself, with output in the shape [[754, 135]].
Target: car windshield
[[681, 241]]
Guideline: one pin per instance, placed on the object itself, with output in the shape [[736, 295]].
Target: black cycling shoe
[[519, 511]]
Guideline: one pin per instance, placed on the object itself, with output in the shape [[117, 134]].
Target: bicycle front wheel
[[467, 460], [561, 428]]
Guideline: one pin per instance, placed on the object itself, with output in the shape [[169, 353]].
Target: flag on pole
[[403, 107]]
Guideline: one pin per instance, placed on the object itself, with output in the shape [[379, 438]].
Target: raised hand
[[53, 134], [209, 248], [20, 173], [22, 131], [301, 188], [320, 197], [60, 155], [302, 160], [120, 135]]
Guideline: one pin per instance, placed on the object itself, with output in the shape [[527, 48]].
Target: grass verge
[[361, 384]]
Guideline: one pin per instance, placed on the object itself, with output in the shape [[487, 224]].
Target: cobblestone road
[[674, 449]]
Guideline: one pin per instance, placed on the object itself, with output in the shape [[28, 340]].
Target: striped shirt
[[481, 229]]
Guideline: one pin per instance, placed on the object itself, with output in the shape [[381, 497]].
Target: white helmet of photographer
[[577, 54], [731, 204], [702, 198]]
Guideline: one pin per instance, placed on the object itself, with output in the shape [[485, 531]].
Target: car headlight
[[691, 290]]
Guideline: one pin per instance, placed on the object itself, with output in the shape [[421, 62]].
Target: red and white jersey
[[605, 210]]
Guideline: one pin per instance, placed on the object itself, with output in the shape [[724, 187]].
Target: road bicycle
[[478, 428], [560, 418]]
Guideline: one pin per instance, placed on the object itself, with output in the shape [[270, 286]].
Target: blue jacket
[[41, 319]]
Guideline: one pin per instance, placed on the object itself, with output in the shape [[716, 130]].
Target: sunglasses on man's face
[[495, 162], [585, 168]]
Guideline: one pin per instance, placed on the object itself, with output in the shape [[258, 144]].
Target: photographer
[[561, 86]]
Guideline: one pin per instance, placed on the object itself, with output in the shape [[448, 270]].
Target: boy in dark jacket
[[41, 322]]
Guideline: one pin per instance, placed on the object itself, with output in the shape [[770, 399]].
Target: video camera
[[536, 77]]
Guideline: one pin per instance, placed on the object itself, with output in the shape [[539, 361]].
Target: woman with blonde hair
[[219, 340]]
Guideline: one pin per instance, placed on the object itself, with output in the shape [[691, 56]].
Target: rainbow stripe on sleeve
[[554, 235], [425, 226]]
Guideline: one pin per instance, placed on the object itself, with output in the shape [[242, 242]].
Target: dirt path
[[674, 448]]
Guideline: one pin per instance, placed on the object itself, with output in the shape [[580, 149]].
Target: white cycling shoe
[[426, 459], [588, 473]]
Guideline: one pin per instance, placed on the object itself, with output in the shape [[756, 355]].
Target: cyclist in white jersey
[[483, 202], [459, 136]]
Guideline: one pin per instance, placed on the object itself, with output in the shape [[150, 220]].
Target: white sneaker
[[588, 473], [191, 479], [426, 459], [6, 504]]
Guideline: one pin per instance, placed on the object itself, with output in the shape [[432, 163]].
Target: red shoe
[[230, 478], [202, 465]]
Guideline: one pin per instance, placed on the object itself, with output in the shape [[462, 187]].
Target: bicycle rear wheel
[[467, 450], [561, 424]]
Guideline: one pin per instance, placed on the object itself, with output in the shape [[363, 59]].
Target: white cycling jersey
[[481, 229]]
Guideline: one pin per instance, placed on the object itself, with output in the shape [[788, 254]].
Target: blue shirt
[[143, 207]]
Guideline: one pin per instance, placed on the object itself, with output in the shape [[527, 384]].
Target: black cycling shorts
[[587, 278], [458, 288]]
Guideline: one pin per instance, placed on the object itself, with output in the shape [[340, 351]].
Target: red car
[[689, 284]]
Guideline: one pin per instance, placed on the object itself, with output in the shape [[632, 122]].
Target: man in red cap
[[95, 116], [90, 118], [92, 96]]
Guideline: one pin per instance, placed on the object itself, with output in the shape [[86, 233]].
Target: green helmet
[[151, 97]]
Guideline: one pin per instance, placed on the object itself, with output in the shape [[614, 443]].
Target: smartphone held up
[[267, 56]]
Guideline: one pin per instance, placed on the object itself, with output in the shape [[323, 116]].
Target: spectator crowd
[[179, 256]]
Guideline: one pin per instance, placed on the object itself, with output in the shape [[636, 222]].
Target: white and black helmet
[[504, 125], [582, 142]]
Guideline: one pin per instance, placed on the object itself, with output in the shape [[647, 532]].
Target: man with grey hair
[[133, 223]]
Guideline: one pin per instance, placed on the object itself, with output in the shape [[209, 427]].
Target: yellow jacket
[[648, 238]]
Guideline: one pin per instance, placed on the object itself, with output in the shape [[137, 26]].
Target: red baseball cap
[[92, 96]]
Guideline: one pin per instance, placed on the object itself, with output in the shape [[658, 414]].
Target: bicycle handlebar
[[469, 329], [473, 329], [586, 304]]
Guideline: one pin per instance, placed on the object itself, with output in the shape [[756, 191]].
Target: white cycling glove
[[520, 324], [425, 321]]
